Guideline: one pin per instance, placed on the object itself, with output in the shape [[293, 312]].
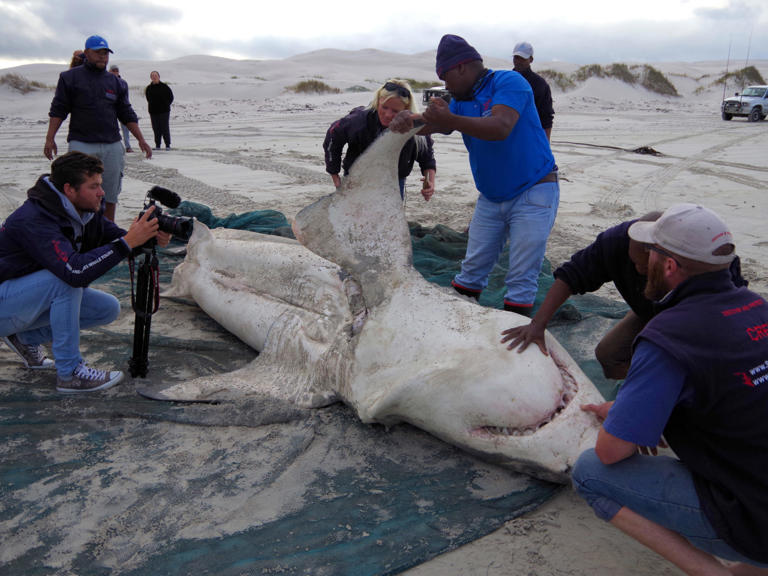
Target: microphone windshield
[[165, 197]]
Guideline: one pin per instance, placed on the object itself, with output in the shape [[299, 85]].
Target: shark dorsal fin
[[362, 227]]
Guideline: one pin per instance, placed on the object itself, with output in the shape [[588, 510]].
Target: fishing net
[[113, 483]]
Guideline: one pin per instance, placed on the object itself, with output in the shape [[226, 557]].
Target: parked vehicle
[[752, 103], [438, 91]]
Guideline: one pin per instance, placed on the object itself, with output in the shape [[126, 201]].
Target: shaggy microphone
[[164, 196], [180, 226]]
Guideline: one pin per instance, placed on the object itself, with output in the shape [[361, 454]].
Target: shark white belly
[[354, 321]]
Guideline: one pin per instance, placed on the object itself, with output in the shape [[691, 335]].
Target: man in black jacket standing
[[159, 99], [95, 101], [522, 57]]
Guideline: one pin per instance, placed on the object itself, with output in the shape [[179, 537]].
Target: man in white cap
[[522, 57], [699, 376], [95, 100]]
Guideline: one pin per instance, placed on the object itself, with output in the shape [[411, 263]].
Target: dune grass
[[646, 76], [313, 86], [743, 77], [21, 84]]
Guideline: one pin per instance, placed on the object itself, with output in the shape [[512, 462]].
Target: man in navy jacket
[[699, 377], [51, 249], [95, 100]]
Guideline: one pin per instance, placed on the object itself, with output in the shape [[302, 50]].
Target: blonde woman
[[358, 129]]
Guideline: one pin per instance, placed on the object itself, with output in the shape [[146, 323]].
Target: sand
[[242, 142]]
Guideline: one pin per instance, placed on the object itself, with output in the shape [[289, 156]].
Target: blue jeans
[[658, 488], [41, 308], [113, 157], [525, 221]]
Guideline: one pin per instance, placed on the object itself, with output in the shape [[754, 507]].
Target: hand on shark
[[436, 118], [522, 336]]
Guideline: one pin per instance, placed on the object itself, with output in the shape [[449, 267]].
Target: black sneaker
[[32, 356], [85, 379]]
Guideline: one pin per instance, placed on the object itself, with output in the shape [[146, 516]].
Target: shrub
[[308, 86], [655, 81], [586, 72], [743, 77], [419, 85], [17, 82], [621, 72], [562, 81]]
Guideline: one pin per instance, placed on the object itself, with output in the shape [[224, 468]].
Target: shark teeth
[[508, 430], [495, 431]]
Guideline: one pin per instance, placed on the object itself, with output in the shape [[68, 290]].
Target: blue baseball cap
[[96, 43]]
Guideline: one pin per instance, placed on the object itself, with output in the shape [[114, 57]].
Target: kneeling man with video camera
[[51, 249]]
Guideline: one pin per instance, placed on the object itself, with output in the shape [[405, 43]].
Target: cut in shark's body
[[343, 315]]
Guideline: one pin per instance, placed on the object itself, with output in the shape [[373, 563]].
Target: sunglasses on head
[[401, 91]]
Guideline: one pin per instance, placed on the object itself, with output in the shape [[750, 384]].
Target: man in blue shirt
[[699, 376], [96, 100], [511, 163]]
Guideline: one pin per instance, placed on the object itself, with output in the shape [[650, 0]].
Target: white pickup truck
[[752, 103]]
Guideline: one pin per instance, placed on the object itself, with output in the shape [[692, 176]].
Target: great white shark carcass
[[342, 314]]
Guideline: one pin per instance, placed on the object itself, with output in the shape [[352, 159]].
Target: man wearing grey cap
[[95, 100], [699, 376], [522, 57]]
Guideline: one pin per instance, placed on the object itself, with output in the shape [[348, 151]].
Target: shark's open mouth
[[569, 390]]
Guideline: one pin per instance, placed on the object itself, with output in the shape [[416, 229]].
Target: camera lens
[[181, 227]]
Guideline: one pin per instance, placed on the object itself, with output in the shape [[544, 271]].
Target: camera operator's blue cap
[[97, 43]]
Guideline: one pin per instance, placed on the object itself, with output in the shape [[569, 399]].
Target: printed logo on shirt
[[487, 108], [758, 332], [110, 94], [756, 376], [745, 308], [59, 252]]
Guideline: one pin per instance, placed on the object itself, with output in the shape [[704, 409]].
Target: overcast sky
[[581, 32]]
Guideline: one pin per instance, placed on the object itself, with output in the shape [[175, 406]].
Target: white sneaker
[[85, 379]]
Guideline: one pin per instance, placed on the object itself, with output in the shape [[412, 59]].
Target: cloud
[[51, 29], [144, 30]]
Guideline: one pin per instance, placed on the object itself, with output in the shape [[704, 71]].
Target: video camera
[[179, 226], [146, 300]]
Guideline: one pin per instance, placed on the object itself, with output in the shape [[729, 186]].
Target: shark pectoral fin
[[204, 390], [259, 378]]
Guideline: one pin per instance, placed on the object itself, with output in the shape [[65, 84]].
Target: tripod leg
[[139, 364]]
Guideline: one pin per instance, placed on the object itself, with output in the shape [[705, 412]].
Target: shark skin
[[342, 315]]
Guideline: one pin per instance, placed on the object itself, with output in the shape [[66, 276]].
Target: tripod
[[145, 303]]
